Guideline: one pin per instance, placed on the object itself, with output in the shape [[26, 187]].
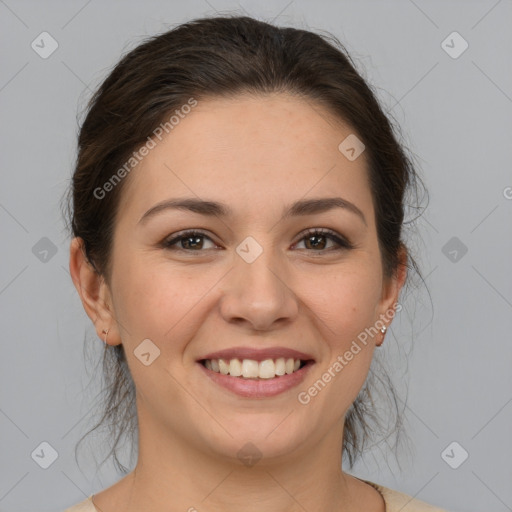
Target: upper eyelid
[[187, 232]]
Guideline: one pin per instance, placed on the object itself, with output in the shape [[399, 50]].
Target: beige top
[[395, 502]]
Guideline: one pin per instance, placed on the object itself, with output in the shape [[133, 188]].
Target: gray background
[[456, 117]]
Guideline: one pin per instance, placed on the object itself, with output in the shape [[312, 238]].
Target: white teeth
[[280, 366], [251, 369], [267, 369], [235, 368], [223, 366]]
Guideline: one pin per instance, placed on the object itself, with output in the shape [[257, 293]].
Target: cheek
[[347, 303], [151, 304], [156, 301], [346, 312], [150, 296]]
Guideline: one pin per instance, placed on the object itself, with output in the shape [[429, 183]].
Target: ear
[[94, 292], [391, 290]]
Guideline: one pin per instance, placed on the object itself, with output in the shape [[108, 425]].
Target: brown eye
[[318, 239], [192, 241]]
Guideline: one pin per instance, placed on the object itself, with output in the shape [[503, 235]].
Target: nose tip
[[256, 294]]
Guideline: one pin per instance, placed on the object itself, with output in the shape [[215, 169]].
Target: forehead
[[249, 150]]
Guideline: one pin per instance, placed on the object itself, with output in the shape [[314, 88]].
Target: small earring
[[105, 332], [383, 331]]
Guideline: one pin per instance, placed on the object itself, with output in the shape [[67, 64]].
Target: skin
[[257, 155]]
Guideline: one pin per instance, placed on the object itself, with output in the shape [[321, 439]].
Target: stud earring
[[383, 331], [105, 332]]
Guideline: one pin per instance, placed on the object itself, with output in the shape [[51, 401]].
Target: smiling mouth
[[257, 370]]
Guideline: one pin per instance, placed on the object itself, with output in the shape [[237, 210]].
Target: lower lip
[[258, 388]]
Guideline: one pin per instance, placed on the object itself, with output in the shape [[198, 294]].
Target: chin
[[259, 437]]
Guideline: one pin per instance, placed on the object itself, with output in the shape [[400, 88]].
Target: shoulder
[[84, 506], [400, 502]]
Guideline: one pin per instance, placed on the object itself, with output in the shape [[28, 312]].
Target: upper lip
[[257, 354]]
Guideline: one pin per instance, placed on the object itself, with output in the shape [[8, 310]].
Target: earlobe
[[92, 289]]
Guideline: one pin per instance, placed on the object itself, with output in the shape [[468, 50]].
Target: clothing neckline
[[377, 487]]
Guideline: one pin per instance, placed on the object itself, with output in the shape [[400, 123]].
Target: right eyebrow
[[210, 208]]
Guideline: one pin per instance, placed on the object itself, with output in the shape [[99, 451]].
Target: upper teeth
[[251, 369]]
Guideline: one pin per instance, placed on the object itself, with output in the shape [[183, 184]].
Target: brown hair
[[226, 56]]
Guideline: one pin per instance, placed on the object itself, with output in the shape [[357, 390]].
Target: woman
[[237, 207]]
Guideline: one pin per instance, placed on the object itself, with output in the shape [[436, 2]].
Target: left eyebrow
[[321, 205], [213, 208]]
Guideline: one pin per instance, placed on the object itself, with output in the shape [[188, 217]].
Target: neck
[[172, 473]]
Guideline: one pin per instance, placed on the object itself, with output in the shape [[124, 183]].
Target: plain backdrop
[[450, 346]]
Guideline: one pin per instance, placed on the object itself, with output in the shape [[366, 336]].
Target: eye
[[191, 240], [316, 239]]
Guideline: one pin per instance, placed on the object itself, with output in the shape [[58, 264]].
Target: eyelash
[[343, 243]]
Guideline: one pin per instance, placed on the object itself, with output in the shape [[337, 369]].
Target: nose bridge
[[256, 271], [260, 274], [257, 291]]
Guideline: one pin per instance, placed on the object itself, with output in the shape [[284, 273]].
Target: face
[[258, 279]]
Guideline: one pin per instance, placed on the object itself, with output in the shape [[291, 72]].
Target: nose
[[257, 294]]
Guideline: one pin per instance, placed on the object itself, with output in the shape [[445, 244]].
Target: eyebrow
[[212, 208]]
